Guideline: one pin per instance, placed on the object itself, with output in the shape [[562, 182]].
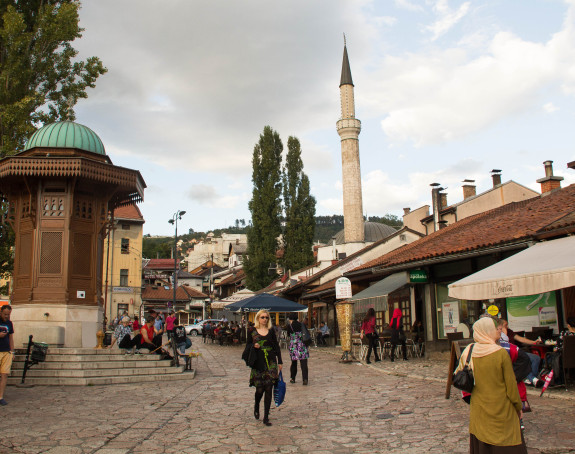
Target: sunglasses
[[263, 316]]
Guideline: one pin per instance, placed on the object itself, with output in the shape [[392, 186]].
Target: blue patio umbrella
[[265, 301]]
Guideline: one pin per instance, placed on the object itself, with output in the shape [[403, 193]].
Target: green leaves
[[270, 182], [40, 81]]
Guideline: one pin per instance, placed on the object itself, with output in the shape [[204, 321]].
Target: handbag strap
[[469, 355]]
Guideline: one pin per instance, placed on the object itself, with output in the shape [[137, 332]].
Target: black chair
[[532, 335]]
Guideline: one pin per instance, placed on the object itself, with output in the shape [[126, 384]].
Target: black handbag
[[463, 379]]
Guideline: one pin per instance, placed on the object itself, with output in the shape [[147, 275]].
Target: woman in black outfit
[[397, 334], [268, 364]]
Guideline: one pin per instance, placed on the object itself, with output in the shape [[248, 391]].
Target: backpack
[[521, 366]]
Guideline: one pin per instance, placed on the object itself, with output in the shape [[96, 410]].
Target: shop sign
[[493, 310], [342, 288], [417, 276], [525, 312]]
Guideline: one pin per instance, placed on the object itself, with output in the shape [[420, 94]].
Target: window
[[123, 278], [121, 309], [125, 226], [125, 248]]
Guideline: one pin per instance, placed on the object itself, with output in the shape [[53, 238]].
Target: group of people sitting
[[149, 335], [223, 332]]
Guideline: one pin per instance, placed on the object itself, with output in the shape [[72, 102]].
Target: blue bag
[[279, 391]]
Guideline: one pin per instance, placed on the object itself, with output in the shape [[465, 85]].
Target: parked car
[[196, 329]]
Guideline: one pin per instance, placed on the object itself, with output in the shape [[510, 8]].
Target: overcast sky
[[445, 90]]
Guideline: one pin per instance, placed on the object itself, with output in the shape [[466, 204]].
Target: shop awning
[[544, 267], [377, 294]]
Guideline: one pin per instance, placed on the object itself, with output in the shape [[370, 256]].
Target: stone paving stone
[[212, 413]]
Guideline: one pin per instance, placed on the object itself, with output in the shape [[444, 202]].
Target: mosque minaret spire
[[348, 128]]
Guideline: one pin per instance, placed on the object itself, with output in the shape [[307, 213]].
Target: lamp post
[[177, 215]]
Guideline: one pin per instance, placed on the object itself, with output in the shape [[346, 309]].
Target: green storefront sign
[[417, 277]]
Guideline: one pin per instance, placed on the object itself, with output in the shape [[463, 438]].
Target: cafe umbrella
[[265, 301]]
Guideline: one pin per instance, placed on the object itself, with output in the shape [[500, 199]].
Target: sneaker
[[127, 352], [137, 352], [528, 382], [538, 383], [522, 426], [3, 402]]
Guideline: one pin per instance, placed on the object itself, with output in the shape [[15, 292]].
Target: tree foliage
[[265, 207], [299, 206], [6, 249], [40, 78]]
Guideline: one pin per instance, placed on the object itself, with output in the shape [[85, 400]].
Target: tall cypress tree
[[265, 207], [299, 210]]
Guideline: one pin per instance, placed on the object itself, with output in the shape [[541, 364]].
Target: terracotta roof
[[511, 223], [131, 212], [329, 285], [233, 278], [161, 264], [166, 293]]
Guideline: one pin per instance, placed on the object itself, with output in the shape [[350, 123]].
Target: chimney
[[550, 182], [469, 189], [406, 211], [496, 176], [436, 204], [442, 200]]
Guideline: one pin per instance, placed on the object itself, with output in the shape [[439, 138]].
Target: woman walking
[[298, 351], [368, 330], [397, 334], [268, 362], [495, 408]]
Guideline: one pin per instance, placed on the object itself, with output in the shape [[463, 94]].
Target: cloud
[[204, 194], [446, 18], [550, 107], [443, 95], [408, 5]]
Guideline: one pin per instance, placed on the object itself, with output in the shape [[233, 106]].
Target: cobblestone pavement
[[346, 408]]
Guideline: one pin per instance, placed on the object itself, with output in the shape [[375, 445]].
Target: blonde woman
[[495, 408], [265, 371]]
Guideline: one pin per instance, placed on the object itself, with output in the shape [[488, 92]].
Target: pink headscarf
[[396, 316]]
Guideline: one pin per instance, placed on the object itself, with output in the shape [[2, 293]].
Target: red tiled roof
[[161, 293], [128, 212], [161, 264], [511, 223], [320, 288], [233, 278]]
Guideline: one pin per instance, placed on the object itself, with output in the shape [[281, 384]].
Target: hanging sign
[[342, 288]]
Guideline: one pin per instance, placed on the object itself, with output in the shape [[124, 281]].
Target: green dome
[[66, 134]]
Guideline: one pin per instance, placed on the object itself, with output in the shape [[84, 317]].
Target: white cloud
[[408, 5], [446, 17], [204, 194], [445, 95], [550, 107]]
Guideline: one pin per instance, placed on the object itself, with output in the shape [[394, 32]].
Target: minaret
[[348, 129]]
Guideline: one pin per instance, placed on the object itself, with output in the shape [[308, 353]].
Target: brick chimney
[[469, 189], [550, 182], [406, 211], [496, 176], [442, 200]]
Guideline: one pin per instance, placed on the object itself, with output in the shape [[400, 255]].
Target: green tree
[[299, 207], [265, 207], [6, 251], [40, 78]]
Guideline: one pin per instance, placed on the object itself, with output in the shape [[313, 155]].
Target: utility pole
[[177, 215]]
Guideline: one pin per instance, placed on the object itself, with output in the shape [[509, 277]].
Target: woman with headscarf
[[397, 334], [495, 407], [268, 362], [298, 351]]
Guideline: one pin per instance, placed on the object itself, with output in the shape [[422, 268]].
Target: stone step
[[85, 373], [87, 365], [107, 380], [78, 351], [91, 358]]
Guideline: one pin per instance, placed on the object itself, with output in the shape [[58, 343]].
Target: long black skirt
[[478, 447]]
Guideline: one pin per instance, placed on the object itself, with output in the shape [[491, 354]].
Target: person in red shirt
[[136, 325], [150, 337], [368, 330]]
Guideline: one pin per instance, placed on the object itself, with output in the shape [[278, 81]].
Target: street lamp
[[177, 215]]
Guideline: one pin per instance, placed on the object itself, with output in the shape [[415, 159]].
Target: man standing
[[6, 348]]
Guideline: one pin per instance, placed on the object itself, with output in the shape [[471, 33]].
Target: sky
[[446, 90]]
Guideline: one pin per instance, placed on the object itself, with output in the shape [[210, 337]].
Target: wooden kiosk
[[61, 191]]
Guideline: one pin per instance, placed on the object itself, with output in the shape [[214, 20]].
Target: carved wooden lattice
[[25, 256], [51, 253], [53, 206], [83, 209], [82, 254]]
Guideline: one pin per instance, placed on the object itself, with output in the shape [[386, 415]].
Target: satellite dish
[[463, 328]]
